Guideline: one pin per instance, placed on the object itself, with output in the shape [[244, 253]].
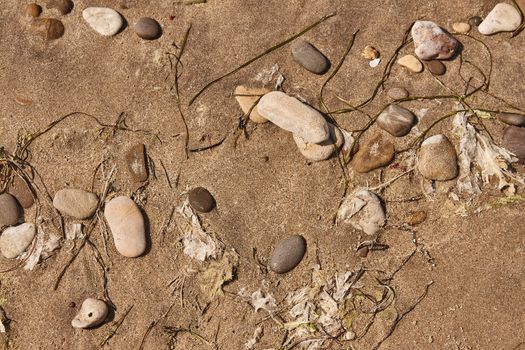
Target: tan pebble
[[22, 101], [247, 102], [461, 27], [370, 53], [48, 28], [33, 10], [438, 159], [411, 63], [415, 218]]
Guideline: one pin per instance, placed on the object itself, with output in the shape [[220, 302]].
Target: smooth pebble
[[15, 240], [438, 159], [503, 18], [201, 200], [320, 151], [103, 20], [461, 27], [148, 29], [21, 191], [475, 21], [436, 67], [411, 63], [512, 119], [47, 28], [10, 211], [374, 153], [136, 162], [92, 313], [310, 57], [33, 10], [127, 226], [396, 120], [397, 93], [514, 141], [75, 202], [432, 42], [63, 6], [246, 102], [287, 254]]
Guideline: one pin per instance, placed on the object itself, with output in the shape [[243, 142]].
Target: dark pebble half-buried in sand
[[20, 189], [287, 254], [47, 28], [310, 57], [436, 67], [512, 119], [397, 93], [201, 200], [63, 6], [136, 162], [148, 29], [514, 141]]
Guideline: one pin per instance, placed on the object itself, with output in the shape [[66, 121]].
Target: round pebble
[[15, 240], [411, 63], [127, 226], [438, 159], [436, 67], [503, 18], [33, 10], [431, 42], [461, 27], [136, 162], [287, 254], [397, 93], [310, 57], [396, 120], [514, 141], [103, 20], [475, 21], [374, 153], [93, 312], [63, 6], [75, 202], [148, 29], [317, 152], [47, 28], [201, 200], [512, 119], [10, 211], [246, 102]]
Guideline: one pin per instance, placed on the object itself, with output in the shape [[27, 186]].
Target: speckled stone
[[512, 119], [287, 254], [397, 93], [310, 57], [431, 42], [75, 202], [438, 159], [148, 29], [10, 211], [136, 162], [33, 10], [396, 120], [514, 141], [415, 218], [201, 200], [374, 153], [15, 240], [63, 6], [21, 191], [47, 28]]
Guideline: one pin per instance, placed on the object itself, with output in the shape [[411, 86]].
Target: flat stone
[[21, 191], [397, 93], [127, 226], [292, 115], [431, 42], [374, 153], [512, 118], [93, 312], [310, 57], [396, 120], [136, 162], [438, 159], [461, 27], [287, 254], [33, 10], [10, 211], [75, 202], [246, 102], [47, 28], [475, 21], [436, 67], [103, 20], [63, 6], [320, 151], [15, 240], [503, 18], [201, 200], [514, 141], [411, 63], [415, 218], [148, 29]]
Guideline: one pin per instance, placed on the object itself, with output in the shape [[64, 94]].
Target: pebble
[[320, 151], [438, 159], [75, 202], [287, 254], [10, 212], [415, 218], [21, 191], [47, 28], [246, 102], [475, 21], [136, 161], [363, 252], [503, 18], [148, 29], [23, 101], [461, 27], [363, 210], [63, 6], [93, 312], [201, 200], [411, 63], [514, 141], [396, 120], [310, 57], [436, 67], [33, 10], [431, 42], [292, 115], [103, 20], [397, 93], [374, 153], [512, 119], [15, 240], [127, 226]]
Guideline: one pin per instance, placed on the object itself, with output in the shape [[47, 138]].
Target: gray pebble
[[512, 119], [75, 202], [436, 67], [309, 57], [397, 93], [475, 21], [396, 120], [288, 253], [10, 211], [148, 29], [514, 141]]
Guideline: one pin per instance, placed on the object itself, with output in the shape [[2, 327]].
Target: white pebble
[[503, 18], [15, 240], [92, 313], [103, 20]]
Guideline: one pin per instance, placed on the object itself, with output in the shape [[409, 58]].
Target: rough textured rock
[[431, 42], [15, 240], [438, 159], [514, 141], [320, 151], [287, 254], [503, 18], [411, 63], [291, 114], [363, 210], [309, 57], [47, 28], [396, 120], [10, 211], [201, 200], [93, 312], [436, 67], [512, 119], [246, 102], [415, 218], [103, 20], [374, 153], [127, 226], [148, 29], [136, 162], [21, 191], [75, 202]]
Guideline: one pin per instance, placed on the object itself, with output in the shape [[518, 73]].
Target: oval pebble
[[126, 223], [411, 63], [431, 42], [10, 211], [396, 120], [374, 153], [92, 313], [292, 115], [136, 162], [287, 254], [317, 152], [397, 93], [514, 141], [512, 119], [47, 28], [438, 159], [15, 240], [103, 20], [310, 57], [33, 10], [201, 200], [475, 21], [461, 27], [148, 29], [436, 67], [503, 18], [246, 102], [63, 6], [21, 191], [75, 202]]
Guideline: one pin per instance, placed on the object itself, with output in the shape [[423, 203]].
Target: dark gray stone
[[288, 253], [148, 29], [436, 67], [309, 57]]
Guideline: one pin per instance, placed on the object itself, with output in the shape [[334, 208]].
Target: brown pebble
[[72, 304], [514, 141], [21, 191], [512, 118], [22, 101], [363, 252], [436, 67], [201, 200], [374, 153], [397, 93], [136, 161], [48, 28], [415, 218], [33, 10], [63, 6]]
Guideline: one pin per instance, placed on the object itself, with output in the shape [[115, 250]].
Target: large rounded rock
[[287, 254], [309, 57], [396, 120], [438, 159], [10, 211], [291, 114], [126, 223], [374, 153], [93, 312], [503, 18], [15, 240], [103, 20], [514, 141], [317, 152], [246, 97], [431, 42], [75, 202]]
